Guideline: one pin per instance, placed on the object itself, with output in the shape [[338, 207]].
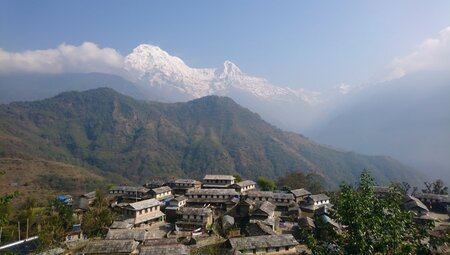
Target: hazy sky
[[310, 44]]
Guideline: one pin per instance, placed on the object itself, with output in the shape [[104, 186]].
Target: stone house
[[181, 186], [191, 218], [143, 212], [213, 197], [161, 193], [217, 181], [243, 186], [300, 194]]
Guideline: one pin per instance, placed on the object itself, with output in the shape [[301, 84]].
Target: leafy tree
[[98, 217], [372, 225], [266, 184], [238, 178], [5, 207], [296, 180], [436, 187], [58, 218]]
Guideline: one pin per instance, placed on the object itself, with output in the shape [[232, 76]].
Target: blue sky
[[310, 44]]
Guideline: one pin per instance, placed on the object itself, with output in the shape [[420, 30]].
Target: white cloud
[[432, 54], [87, 57]]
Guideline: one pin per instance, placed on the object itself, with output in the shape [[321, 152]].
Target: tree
[[238, 178], [266, 184], [436, 187], [57, 218], [98, 217], [296, 180], [372, 225]]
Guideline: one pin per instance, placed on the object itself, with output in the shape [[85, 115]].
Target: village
[[219, 216]]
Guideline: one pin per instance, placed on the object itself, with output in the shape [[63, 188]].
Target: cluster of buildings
[[179, 216], [167, 217]]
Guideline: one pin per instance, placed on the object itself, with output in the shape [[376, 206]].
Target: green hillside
[[114, 133]]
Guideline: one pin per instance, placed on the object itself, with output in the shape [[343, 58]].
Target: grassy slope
[[40, 178], [106, 130]]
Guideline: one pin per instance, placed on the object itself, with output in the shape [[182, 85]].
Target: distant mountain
[[152, 66], [408, 118], [28, 87], [141, 140]]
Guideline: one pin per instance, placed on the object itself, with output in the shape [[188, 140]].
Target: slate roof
[[144, 204], [90, 195], [257, 193], [127, 234], [110, 246], [319, 197], [161, 189], [195, 211], [230, 192], [300, 192], [266, 207], [256, 227], [306, 222], [412, 202], [281, 195], [188, 181], [255, 242], [130, 189], [180, 198], [120, 225], [218, 177], [245, 183], [174, 249], [440, 198], [152, 216]]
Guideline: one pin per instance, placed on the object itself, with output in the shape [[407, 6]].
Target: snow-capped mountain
[[151, 66]]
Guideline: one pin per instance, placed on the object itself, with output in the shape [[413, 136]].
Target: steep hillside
[[139, 140], [39, 178]]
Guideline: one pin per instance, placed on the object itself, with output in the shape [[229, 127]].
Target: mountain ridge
[[142, 140]]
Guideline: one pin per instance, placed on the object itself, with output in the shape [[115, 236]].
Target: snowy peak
[[149, 58], [230, 70], [152, 66]]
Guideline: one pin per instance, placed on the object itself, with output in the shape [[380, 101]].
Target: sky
[[308, 44]]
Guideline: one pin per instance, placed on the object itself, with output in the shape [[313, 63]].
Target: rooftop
[[110, 246], [218, 177], [230, 192], [266, 207], [319, 197], [300, 192], [144, 204], [162, 189], [90, 195], [187, 181], [152, 216], [130, 189], [257, 193], [255, 242], [280, 195], [127, 234], [245, 183], [120, 225], [195, 211], [180, 198], [440, 198], [172, 249]]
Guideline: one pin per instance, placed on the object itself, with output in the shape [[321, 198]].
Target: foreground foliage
[[99, 217], [370, 225]]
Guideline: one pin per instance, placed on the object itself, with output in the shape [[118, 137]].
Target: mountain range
[[406, 118], [112, 133]]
